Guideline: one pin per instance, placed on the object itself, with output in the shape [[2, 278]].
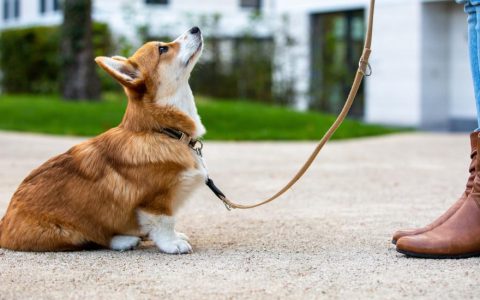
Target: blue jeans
[[472, 8]]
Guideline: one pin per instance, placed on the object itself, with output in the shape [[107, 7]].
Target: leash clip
[[209, 182]]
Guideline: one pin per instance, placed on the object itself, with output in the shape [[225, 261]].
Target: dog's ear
[[122, 70]]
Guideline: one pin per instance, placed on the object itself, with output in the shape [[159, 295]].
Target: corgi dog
[[127, 183]]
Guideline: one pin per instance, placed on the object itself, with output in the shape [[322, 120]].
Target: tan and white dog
[[129, 181]]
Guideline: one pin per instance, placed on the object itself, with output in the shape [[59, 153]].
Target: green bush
[[30, 58]]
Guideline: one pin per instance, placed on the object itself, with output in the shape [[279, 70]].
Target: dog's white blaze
[[124, 242], [161, 230], [175, 89]]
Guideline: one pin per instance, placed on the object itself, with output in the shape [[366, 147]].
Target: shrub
[[30, 58]]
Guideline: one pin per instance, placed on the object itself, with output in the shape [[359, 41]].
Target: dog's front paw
[[176, 245]]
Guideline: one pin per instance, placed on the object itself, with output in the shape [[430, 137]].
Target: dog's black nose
[[194, 30]]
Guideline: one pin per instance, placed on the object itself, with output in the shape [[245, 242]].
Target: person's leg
[[472, 8], [473, 12], [458, 236]]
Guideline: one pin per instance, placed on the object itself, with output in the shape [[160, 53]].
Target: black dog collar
[[195, 144]]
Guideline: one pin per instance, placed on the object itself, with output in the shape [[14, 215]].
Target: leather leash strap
[[364, 69]]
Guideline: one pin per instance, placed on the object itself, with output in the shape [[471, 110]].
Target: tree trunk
[[80, 80]]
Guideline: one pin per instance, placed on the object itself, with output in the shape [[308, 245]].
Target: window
[[164, 2], [43, 6], [6, 9], [11, 9], [336, 45], [251, 4], [49, 6]]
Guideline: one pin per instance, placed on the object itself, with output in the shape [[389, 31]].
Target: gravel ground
[[329, 237]]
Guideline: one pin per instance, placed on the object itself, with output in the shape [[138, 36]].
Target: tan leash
[[364, 69]]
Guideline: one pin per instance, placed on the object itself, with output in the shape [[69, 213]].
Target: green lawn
[[224, 120]]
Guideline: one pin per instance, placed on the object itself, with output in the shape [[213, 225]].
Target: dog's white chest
[[190, 180]]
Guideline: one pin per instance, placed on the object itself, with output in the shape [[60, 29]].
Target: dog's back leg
[[24, 233]]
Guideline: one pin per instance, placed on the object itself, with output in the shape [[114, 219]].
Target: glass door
[[337, 44]]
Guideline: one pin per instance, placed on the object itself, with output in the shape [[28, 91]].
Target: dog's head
[[157, 69]]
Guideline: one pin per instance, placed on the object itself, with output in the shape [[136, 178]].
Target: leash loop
[[365, 68]]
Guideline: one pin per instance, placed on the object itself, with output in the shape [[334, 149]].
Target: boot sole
[[438, 256], [394, 241]]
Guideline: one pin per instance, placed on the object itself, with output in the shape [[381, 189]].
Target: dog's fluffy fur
[[127, 182]]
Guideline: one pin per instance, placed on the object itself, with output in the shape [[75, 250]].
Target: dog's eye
[[163, 49]]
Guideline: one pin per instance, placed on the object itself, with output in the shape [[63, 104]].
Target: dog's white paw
[[124, 242], [175, 245], [161, 230], [182, 236]]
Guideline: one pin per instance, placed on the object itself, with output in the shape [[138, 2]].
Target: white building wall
[[435, 50], [447, 89], [30, 15], [393, 92], [126, 16]]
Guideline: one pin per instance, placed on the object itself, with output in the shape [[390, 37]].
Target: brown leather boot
[[457, 237], [446, 215]]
